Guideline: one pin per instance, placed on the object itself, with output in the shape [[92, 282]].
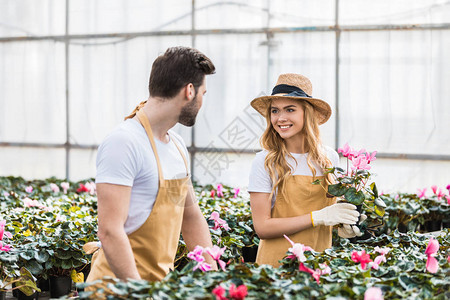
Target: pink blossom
[[431, 251], [434, 188], [356, 153], [54, 188], [238, 293], [65, 186], [197, 254], [440, 194], [216, 252], [373, 293], [213, 193], [361, 257], [382, 251], [421, 193], [448, 188], [371, 157], [6, 194], [448, 199], [203, 266], [5, 248], [220, 190], [346, 150], [360, 163], [448, 258], [377, 261], [29, 189], [315, 274], [297, 250], [218, 222], [236, 192], [2, 230], [219, 292], [91, 187], [325, 269]]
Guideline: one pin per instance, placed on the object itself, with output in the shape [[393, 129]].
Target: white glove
[[350, 231], [339, 213]]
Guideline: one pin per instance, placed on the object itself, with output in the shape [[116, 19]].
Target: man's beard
[[189, 113]]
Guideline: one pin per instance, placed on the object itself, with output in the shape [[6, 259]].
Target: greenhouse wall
[[71, 70]]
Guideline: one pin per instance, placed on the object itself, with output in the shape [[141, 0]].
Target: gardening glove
[[350, 231], [339, 213]]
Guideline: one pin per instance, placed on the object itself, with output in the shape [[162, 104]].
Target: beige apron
[[303, 197], [155, 243]]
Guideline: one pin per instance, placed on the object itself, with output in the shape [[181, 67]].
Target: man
[[145, 196]]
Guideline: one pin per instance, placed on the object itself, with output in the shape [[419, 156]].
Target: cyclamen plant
[[352, 185]]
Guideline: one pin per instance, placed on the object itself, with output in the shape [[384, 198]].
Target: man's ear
[[189, 91]]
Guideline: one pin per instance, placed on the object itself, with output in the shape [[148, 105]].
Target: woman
[[282, 197]]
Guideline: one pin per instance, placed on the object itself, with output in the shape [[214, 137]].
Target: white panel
[[32, 163], [302, 13], [32, 17], [394, 88], [112, 16], [225, 168], [359, 12], [230, 14], [82, 164], [240, 77], [32, 92], [107, 81]]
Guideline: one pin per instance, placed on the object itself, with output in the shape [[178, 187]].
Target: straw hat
[[296, 87]]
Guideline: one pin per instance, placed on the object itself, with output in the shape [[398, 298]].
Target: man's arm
[[113, 203], [194, 228]]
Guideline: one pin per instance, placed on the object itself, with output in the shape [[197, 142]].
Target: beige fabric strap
[[138, 107], [144, 121], [182, 155]]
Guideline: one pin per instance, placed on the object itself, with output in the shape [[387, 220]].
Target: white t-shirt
[[259, 179], [125, 157]]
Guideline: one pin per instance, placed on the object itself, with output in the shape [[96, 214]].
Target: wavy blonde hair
[[275, 161]]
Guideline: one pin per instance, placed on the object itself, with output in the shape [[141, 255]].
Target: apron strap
[[182, 154], [144, 121]]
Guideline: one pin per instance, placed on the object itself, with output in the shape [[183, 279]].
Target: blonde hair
[[275, 161]]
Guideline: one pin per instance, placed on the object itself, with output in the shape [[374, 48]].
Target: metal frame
[[193, 32]]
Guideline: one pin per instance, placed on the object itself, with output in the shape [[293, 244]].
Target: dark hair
[[176, 68]]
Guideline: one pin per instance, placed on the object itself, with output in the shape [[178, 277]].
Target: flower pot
[[21, 296], [249, 253], [433, 225], [43, 284], [60, 286], [2, 295]]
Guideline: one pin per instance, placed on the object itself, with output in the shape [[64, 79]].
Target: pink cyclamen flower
[[218, 222], [345, 150], [236, 192], [314, 273], [361, 257], [360, 163], [219, 292], [197, 254], [382, 251], [431, 251], [2, 230], [325, 269], [65, 186], [373, 293], [216, 252], [91, 187], [212, 193], [440, 194], [5, 248], [434, 188], [220, 190], [371, 157], [448, 199], [421, 193], [203, 266], [377, 261], [238, 293], [29, 189], [297, 250], [356, 153], [448, 188], [54, 188]]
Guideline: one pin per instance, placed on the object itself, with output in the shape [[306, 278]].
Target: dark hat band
[[289, 90]]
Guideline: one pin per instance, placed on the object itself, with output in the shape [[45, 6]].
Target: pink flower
[[216, 252], [219, 292], [6, 194], [2, 230], [325, 269], [91, 187], [218, 222], [197, 254], [213, 193], [60, 218], [448, 188], [54, 188], [360, 163], [377, 261], [297, 250], [434, 188], [382, 251], [373, 293], [361, 257], [431, 251], [315, 274], [346, 150], [356, 153], [220, 190], [421, 193], [5, 248], [29, 189], [82, 188], [371, 157], [239, 292], [236, 192], [448, 199], [203, 266], [440, 194], [65, 186]]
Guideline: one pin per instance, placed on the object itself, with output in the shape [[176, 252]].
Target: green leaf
[[337, 189], [347, 180], [354, 197], [379, 211], [316, 182], [380, 203], [373, 186], [41, 256]]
